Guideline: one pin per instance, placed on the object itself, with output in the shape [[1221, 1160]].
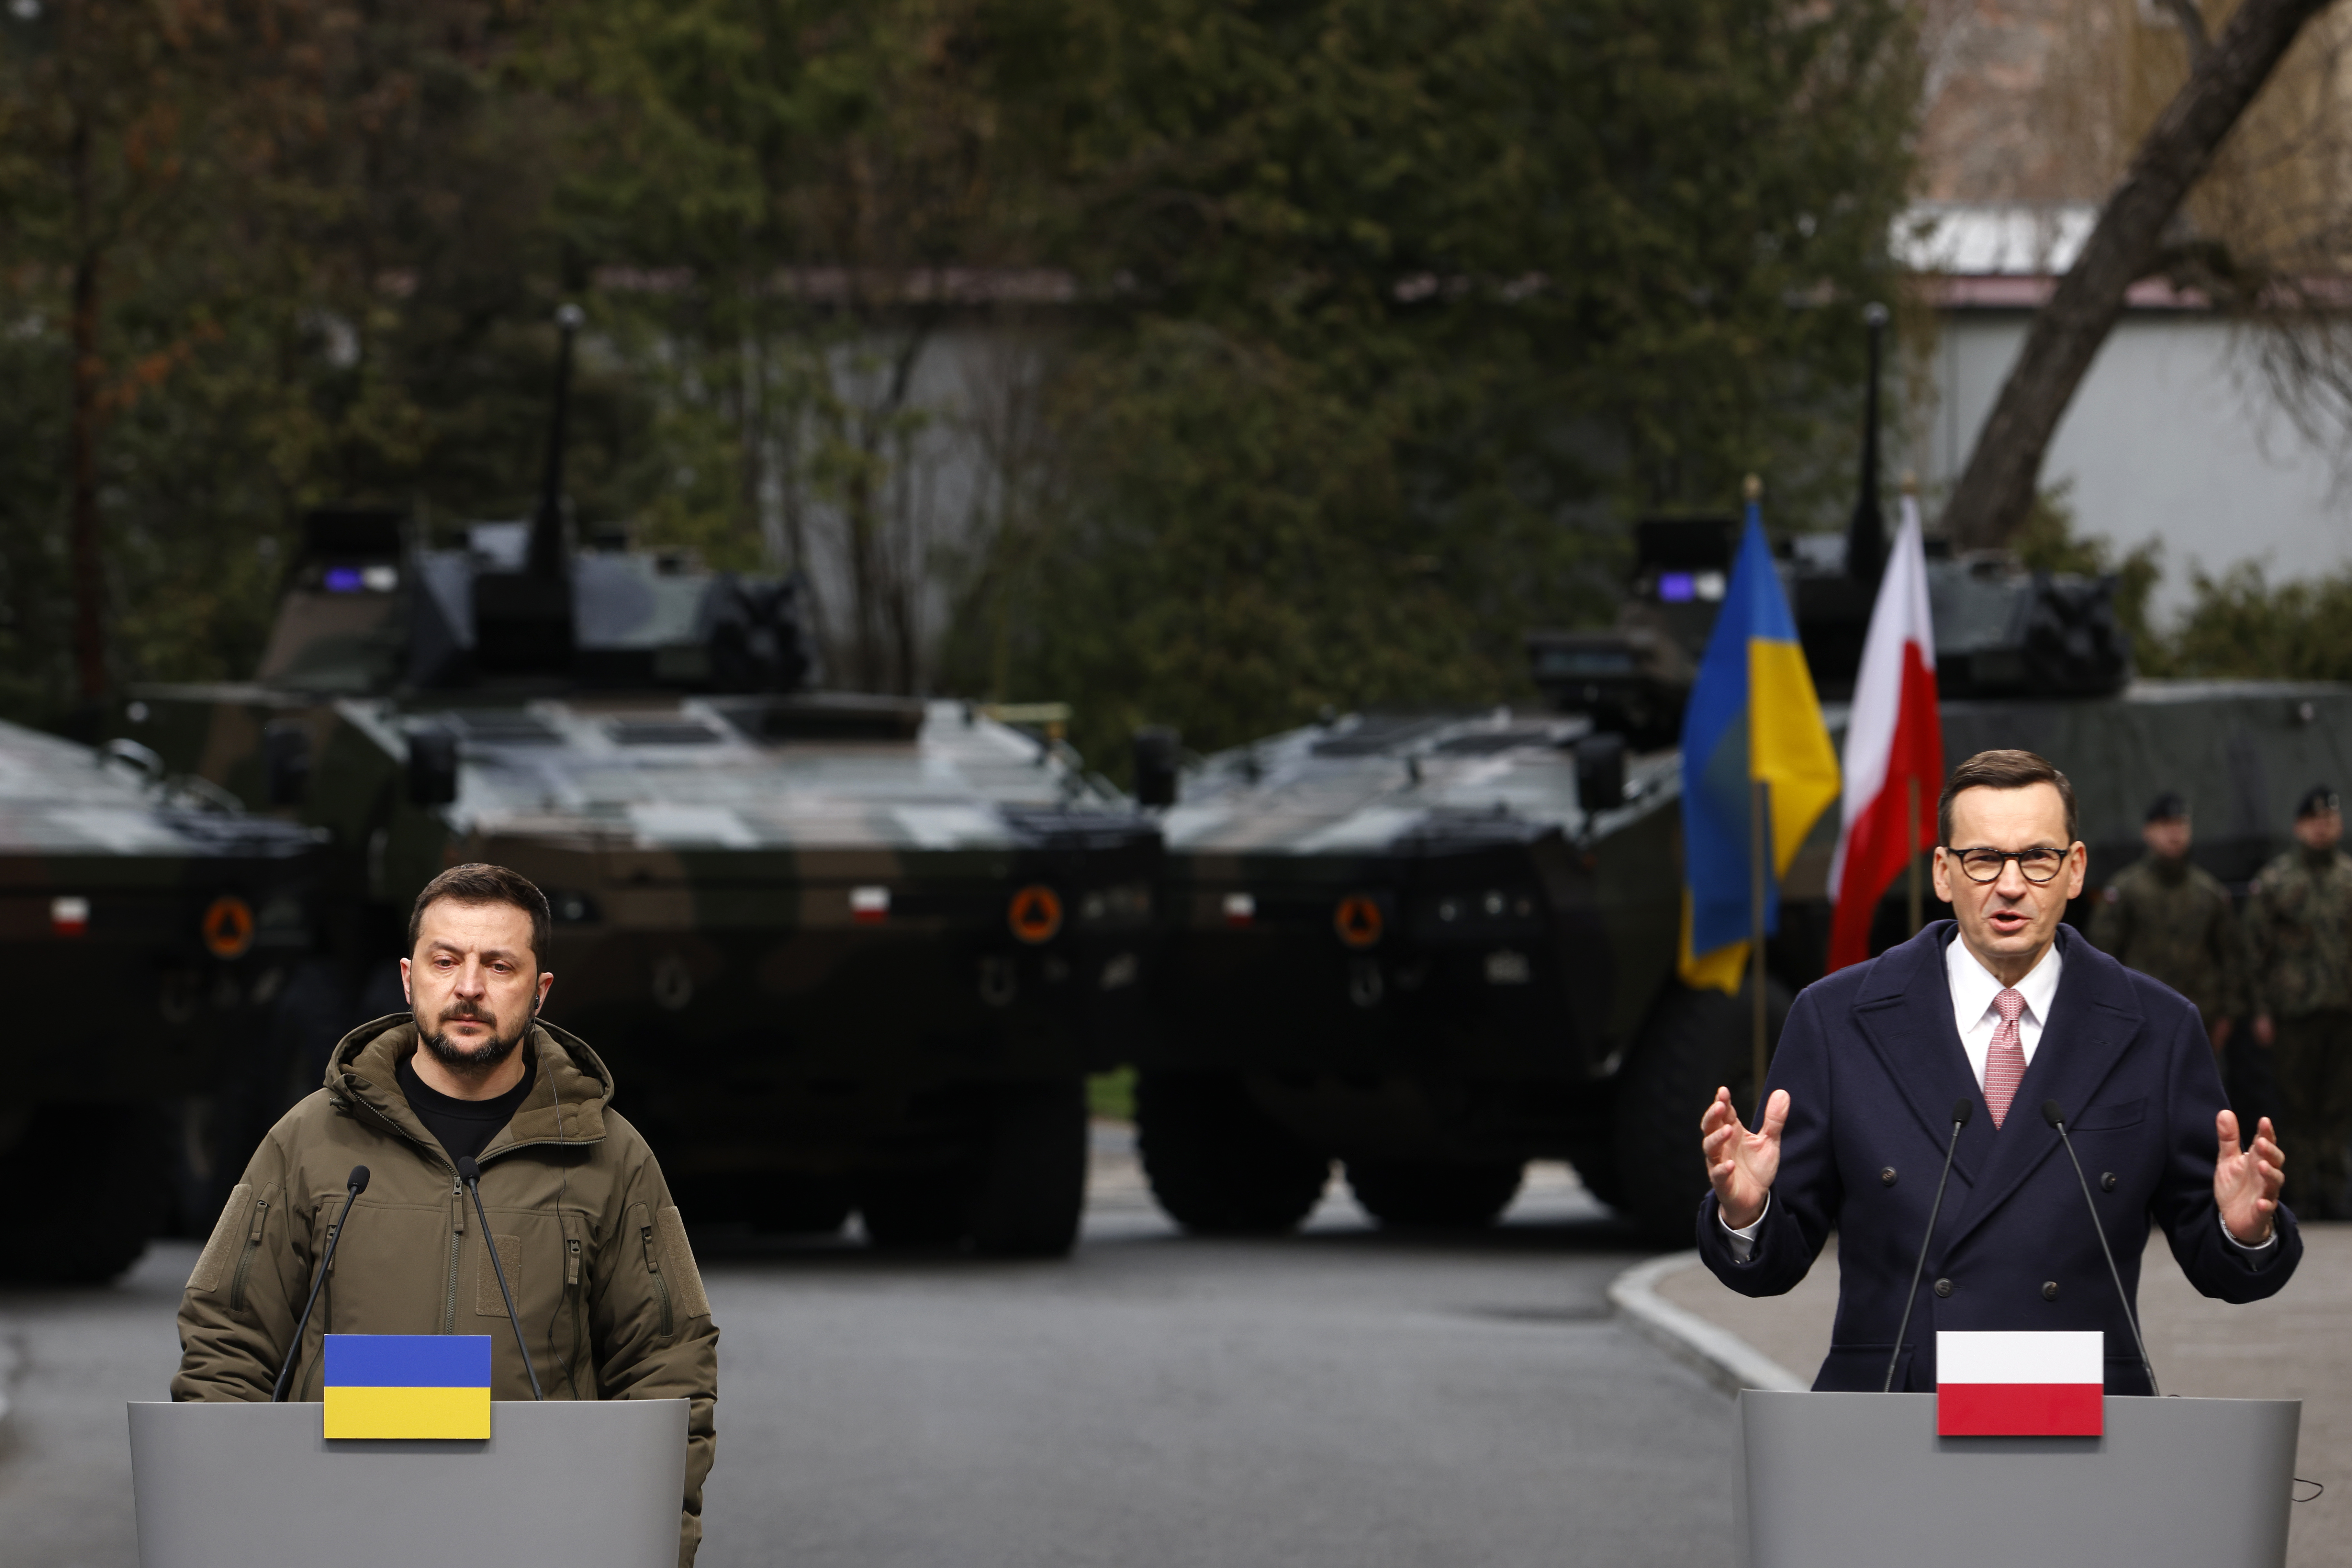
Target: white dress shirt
[[1973, 1014], [1973, 988]]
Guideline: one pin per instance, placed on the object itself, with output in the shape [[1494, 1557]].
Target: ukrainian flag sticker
[[408, 1385]]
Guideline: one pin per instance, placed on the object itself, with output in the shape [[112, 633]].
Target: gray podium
[[581, 1483], [1861, 1480]]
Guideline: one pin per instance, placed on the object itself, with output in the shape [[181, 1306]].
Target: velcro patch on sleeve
[[225, 1232], [487, 1302], [677, 1263]]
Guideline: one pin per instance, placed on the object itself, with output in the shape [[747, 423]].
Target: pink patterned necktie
[[2005, 1063]]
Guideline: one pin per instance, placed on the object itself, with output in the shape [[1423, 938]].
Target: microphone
[[2057, 1118], [1962, 1110], [353, 1186], [469, 1172]]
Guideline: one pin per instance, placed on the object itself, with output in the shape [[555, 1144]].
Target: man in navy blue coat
[[2005, 1007]]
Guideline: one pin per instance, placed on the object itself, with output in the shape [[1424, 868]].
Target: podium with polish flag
[[2017, 1458]]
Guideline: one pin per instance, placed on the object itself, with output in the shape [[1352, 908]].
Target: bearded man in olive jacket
[[592, 1248]]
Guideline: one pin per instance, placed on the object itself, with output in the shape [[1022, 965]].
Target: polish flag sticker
[[2020, 1384]]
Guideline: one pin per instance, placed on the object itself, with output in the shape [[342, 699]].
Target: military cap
[[2169, 806], [2318, 798]]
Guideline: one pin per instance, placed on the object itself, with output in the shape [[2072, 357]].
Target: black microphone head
[[1961, 1110], [468, 1171], [359, 1180], [2052, 1113]]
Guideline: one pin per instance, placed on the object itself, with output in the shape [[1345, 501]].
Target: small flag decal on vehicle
[[408, 1385], [2020, 1384]]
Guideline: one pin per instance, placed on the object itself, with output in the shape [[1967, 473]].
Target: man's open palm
[[1741, 1164], [2246, 1181]]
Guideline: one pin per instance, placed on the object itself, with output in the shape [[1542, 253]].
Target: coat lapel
[[1904, 1011], [2093, 1022]]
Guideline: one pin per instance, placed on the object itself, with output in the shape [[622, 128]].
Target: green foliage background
[[2237, 626], [1374, 323]]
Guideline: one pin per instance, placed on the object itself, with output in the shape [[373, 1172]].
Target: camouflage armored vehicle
[[841, 950], [1434, 946], [147, 929]]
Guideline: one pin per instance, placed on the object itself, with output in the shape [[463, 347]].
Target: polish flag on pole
[[1894, 747], [2020, 1384]]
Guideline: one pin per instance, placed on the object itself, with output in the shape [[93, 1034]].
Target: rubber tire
[[915, 1211], [1422, 1195], [106, 1170], [1596, 1167], [1030, 1186], [1218, 1164], [794, 1204], [1692, 1043]]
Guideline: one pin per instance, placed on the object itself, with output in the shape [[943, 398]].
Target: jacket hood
[[568, 1095]]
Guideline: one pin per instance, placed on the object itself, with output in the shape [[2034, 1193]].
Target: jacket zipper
[[661, 1286], [245, 1259], [456, 1237]]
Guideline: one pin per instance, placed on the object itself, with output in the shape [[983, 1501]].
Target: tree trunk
[[1996, 490], [89, 570]]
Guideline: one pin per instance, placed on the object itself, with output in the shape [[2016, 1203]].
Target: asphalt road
[[1343, 1397]]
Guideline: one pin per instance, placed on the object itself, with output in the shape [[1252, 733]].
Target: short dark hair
[[481, 884], [2003, 770]]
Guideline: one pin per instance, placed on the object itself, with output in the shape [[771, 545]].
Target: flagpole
[[1911, 818], [1911, 841], [1756, 919]]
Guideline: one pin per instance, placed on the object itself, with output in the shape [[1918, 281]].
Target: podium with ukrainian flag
[[408, 1454]]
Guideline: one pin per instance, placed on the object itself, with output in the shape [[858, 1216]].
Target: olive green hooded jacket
[[593, 1249]]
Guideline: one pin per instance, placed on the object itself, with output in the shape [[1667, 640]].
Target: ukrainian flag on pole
[[1752, 717]]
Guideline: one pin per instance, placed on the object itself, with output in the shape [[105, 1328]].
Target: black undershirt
[[464, 1127]]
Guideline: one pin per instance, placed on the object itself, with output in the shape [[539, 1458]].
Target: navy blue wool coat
[[1873, 1065]]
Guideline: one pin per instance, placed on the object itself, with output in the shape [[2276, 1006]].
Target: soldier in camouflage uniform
[[2299, 932], [2172, 921]]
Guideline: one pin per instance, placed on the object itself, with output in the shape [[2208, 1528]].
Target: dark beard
[[480, 1060]]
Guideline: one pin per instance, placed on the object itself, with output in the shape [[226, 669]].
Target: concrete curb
[[10, 1365], [1723, 1358]]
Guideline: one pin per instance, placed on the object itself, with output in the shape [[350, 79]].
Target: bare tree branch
[[2192, 27], [1996, 490]]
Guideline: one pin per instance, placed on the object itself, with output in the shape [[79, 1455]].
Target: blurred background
[[1189, 362]]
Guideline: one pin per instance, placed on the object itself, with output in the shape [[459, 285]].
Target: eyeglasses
[[2038, 865]]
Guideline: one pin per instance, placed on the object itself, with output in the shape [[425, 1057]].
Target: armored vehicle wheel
[[915, 1211], [119, 1157], [1596, 1167], [1217, 1164], [1032, 1185], [1693, 1042], [1420, 1194], [774, 1202], [804, 1206]]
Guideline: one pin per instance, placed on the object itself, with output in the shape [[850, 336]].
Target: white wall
[[2172, 436]]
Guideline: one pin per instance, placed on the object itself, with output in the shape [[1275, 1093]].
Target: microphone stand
[[470, 1173], [1961, 1110], [352, 1189], [2057, 1119]]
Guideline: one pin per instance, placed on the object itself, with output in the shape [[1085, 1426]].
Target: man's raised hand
[[2246, 1181], [1741, 1164]]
